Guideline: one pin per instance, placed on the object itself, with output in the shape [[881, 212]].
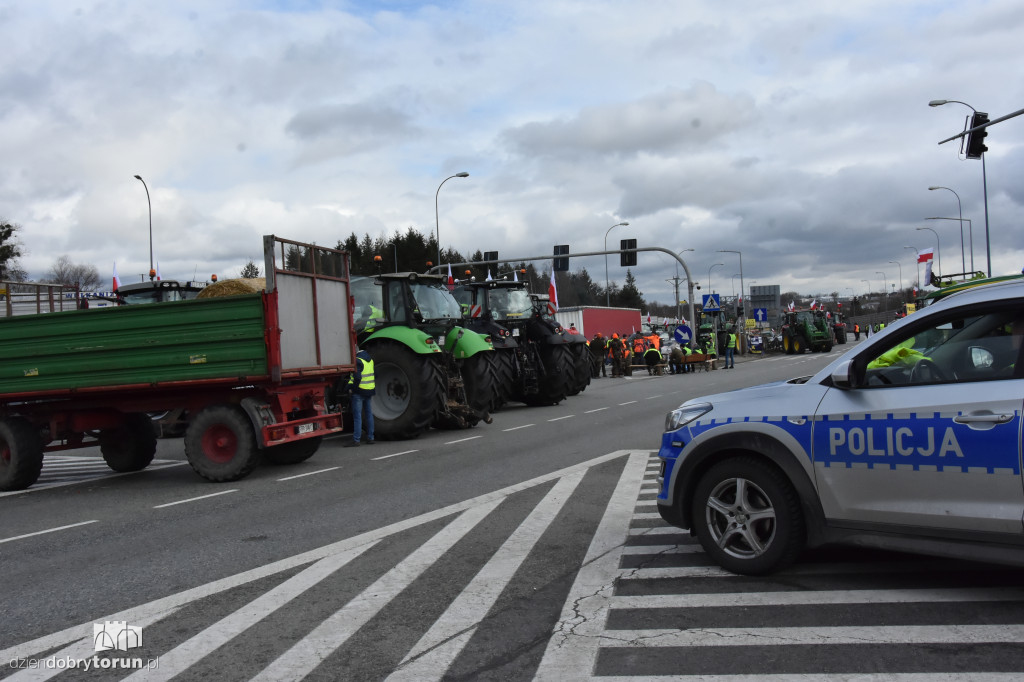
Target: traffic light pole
[[550, 257]]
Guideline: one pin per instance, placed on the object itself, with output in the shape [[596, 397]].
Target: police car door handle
[[983, 418], [798, 421]]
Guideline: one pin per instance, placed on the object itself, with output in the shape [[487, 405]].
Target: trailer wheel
[[558, 376], [131, 446], [410, 391], [21, 454], [220, 443], [293, 452], [480, 374]]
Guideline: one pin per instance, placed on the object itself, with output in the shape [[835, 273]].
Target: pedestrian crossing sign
[[711, 304]]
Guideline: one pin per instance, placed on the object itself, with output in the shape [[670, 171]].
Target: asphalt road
[[528, 548]]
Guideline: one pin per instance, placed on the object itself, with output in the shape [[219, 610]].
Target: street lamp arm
[[150, 205], [437, 222], [607, 293]]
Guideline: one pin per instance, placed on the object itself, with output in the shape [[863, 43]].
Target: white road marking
[[471, 606], [830, 597], [558, 419], [397, 454], [516, 428], [462, 440], [627, 403], [311, 650], [189, 652], [597, 410], [573, 646], [194, 499], [308, 473], [48, 530]]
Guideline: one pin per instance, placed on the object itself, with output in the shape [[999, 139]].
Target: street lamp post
[[885, 291], [437, 222], [963, 259], [152, 272], [740, 254], [902, 297], [676, 279], [970, 234], [984, 179], [938, 248], [709, 276], [607, 294], [916, 262]]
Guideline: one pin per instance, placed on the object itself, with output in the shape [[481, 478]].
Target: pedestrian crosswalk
[[569, 576], [61, 470]]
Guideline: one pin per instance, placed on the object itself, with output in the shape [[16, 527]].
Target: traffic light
[[561, 264], [627, 259], [976, 140], [491, 256]]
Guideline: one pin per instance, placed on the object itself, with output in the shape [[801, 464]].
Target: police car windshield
[[435, 302]]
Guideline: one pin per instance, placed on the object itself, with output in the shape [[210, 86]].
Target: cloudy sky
[[798, 133]]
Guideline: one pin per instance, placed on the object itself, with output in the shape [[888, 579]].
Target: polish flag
[[553, 293], [792, 305], [925, 255], [489, 278], [451, 280], [814, 304], [117, 280], [648, 318]]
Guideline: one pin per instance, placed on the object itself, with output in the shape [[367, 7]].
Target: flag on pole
[[925, 255], [158, 271], [814, 304], [928, 272], [792, 305], [117, 280], [515, 276], [553, 294], [451, 280], [648, 318], [489, 278]]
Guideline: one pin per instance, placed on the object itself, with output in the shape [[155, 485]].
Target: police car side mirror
[[842, 375]]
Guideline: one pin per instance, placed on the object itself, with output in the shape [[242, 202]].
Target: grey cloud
[[658, 124]]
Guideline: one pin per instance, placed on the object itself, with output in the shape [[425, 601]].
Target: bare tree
[[10, 249], [64, 271]]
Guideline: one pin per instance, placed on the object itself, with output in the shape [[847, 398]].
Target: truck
[[590, 320], [256, 373], [806, 330], [430, 370]]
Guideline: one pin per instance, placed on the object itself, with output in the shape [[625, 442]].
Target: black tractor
[[536, 363]]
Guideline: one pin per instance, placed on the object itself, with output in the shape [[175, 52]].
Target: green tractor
[[536, 362], [429, 370], [806, 330]]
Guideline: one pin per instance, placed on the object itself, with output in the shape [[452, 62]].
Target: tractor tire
[[506, 368], [787, 344], [480, 375], [293, 452], [798, 345], [410, 391], [581, 378], [131, 446], [827, 348], [21, 454], [841, 336], [559, 370], [220, 443]]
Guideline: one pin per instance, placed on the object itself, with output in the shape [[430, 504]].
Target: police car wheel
[[747, 516]]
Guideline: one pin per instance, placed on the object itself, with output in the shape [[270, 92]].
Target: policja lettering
[[898, 441]]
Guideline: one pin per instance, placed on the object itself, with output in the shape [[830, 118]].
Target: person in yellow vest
[[652, 358], [362, 387], [375, 317], [730, 350]]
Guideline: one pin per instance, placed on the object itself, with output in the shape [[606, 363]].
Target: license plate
[[515, 332], [305, 428]]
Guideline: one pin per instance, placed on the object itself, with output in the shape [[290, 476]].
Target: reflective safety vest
[[366, 380], [375, 314], [732, 341]]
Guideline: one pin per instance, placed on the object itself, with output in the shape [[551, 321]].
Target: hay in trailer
[[234, 287]]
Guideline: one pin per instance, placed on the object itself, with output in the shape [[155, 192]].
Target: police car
[[910, 441]]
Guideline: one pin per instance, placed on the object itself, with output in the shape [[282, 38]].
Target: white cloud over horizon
[[797, 133]]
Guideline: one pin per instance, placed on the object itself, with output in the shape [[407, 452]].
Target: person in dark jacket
[[362, 387]]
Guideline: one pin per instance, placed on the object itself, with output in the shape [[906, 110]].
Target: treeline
[[414, 252]]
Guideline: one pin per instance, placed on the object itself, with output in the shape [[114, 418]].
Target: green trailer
[[253, 371]]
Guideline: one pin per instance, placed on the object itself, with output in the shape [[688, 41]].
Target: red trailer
[[590, 320], [254, 371]]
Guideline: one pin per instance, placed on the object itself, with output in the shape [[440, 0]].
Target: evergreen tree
[[10, 249]]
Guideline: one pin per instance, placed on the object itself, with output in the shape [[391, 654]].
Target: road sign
[[683, 334], [761, 314], [711, 304]]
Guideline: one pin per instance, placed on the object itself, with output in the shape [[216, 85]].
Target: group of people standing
[[621, 352]]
